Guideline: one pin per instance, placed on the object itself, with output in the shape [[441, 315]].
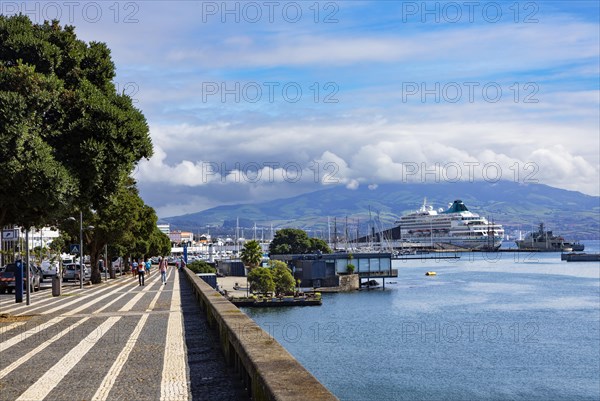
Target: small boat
[[431, 274], [581, 257]]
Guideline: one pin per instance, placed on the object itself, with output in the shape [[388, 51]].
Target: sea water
[[496, 326]]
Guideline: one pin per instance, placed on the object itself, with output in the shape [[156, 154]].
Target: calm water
[[489, 327]]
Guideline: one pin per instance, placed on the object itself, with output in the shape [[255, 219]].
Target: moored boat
[[580, 257], [543, 240], [455, 227]]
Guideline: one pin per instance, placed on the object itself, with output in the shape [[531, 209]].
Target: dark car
[[7, 278]]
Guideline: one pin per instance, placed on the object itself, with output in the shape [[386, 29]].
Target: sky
[[253, 100]]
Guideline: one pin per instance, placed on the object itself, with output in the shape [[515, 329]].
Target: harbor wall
[[268, 371]]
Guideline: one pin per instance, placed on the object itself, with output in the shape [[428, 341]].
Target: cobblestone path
[[112, 341]]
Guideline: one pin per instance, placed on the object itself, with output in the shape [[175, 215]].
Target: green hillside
[[515, 206]]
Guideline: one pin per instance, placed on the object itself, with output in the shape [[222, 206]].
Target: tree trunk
[[96, 276], [95, 250]]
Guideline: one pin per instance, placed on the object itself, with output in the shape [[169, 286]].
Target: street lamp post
[[81, 265]]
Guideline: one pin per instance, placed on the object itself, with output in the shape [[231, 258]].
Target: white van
[[117, 264], [49, 268]]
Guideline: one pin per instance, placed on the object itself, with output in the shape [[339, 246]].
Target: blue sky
[[360, 93]]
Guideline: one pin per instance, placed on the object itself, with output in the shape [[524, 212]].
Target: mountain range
[[516, 206]]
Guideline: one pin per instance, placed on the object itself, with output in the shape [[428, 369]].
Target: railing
[[379, 273]]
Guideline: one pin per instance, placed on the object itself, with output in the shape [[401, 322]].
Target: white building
[[164, 228]]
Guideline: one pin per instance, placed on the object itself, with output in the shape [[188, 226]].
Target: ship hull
[[548, 246], [471, 244]]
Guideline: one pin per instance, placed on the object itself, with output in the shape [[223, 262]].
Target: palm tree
[[251, 254]]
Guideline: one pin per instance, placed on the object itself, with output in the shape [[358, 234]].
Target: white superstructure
[[454, 227]]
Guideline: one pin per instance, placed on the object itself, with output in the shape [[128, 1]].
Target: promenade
[[112, 341]]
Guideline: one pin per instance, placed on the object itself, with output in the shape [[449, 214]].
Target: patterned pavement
[[112, 341]]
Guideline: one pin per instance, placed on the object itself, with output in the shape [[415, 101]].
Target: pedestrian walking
[[134, 268], [141, 271], [163, 270], [148, 265], [177, 263]]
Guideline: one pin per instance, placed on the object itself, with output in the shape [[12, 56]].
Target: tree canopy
[[67, 138], [296, 241], [261, 281], [200, 266], [282, 277]]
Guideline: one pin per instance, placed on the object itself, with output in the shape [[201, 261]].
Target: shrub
[[200, 266]]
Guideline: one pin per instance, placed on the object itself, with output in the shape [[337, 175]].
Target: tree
[[296, 241], [318, 245], [35, 186], [282, 277], [260, 280], [251, 254], [125, 223], [200, 266], [67, 138]]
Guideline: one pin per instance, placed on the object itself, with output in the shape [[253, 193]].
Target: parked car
[[36, 278], [7, 278], [71, 272], [49, 268]]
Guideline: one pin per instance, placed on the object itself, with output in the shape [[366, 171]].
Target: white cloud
[[371, 135], [435, 151], [352, 184]]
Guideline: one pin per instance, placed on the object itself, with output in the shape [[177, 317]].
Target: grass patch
[[7, 318]]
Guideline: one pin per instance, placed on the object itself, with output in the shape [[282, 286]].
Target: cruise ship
[[455, 227]]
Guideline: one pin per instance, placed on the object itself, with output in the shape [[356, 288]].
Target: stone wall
[[349, 282], [269, 372]]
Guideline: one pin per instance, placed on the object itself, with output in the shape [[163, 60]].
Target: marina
[[518, 326]]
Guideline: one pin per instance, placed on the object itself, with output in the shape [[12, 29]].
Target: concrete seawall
[[267, 369]]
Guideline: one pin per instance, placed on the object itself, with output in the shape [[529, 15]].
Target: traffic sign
[[10, 235], [74, 249]]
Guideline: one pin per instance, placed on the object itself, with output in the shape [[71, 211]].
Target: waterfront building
[[324, 270]]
